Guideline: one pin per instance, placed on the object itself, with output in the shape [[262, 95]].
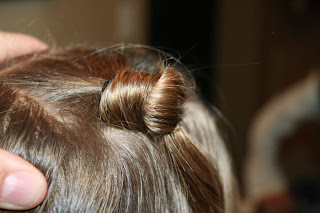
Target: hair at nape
[[114, 130]]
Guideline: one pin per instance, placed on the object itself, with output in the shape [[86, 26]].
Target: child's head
[[113, 130]]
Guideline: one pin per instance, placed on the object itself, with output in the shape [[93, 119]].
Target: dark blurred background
[[241, 52]]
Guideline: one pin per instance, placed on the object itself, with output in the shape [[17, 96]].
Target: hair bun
[[144, 101]]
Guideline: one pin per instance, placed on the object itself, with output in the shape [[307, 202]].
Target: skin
[[22, 186]]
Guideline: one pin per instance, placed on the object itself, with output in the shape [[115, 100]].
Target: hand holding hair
[[15, 44], [22, 186]]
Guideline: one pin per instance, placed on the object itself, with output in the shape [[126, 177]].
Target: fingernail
[[21, 189]]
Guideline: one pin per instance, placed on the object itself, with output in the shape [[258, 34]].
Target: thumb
[[22, 186]]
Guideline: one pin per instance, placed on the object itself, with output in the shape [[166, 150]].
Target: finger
[[22, 186], [16, 44]]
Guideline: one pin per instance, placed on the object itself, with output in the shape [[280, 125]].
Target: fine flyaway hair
[[118, 129]]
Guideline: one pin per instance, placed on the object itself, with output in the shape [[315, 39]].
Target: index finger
[[16, 44]]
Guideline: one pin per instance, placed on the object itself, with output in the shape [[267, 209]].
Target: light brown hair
[[144, 143]]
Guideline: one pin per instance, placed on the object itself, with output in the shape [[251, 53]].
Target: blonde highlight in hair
[[127, 148]]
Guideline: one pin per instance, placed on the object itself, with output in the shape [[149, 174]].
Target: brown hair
[[144, 143]]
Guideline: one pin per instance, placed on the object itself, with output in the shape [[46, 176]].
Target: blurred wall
[[239, 67], [263, 47], [65, 22]]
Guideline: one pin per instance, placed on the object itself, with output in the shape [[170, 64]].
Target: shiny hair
[[114, 130]]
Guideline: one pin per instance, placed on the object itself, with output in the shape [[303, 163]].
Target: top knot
[[142, 101]]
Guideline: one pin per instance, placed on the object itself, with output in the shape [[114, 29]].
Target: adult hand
[[22, 186], [15, 44]]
